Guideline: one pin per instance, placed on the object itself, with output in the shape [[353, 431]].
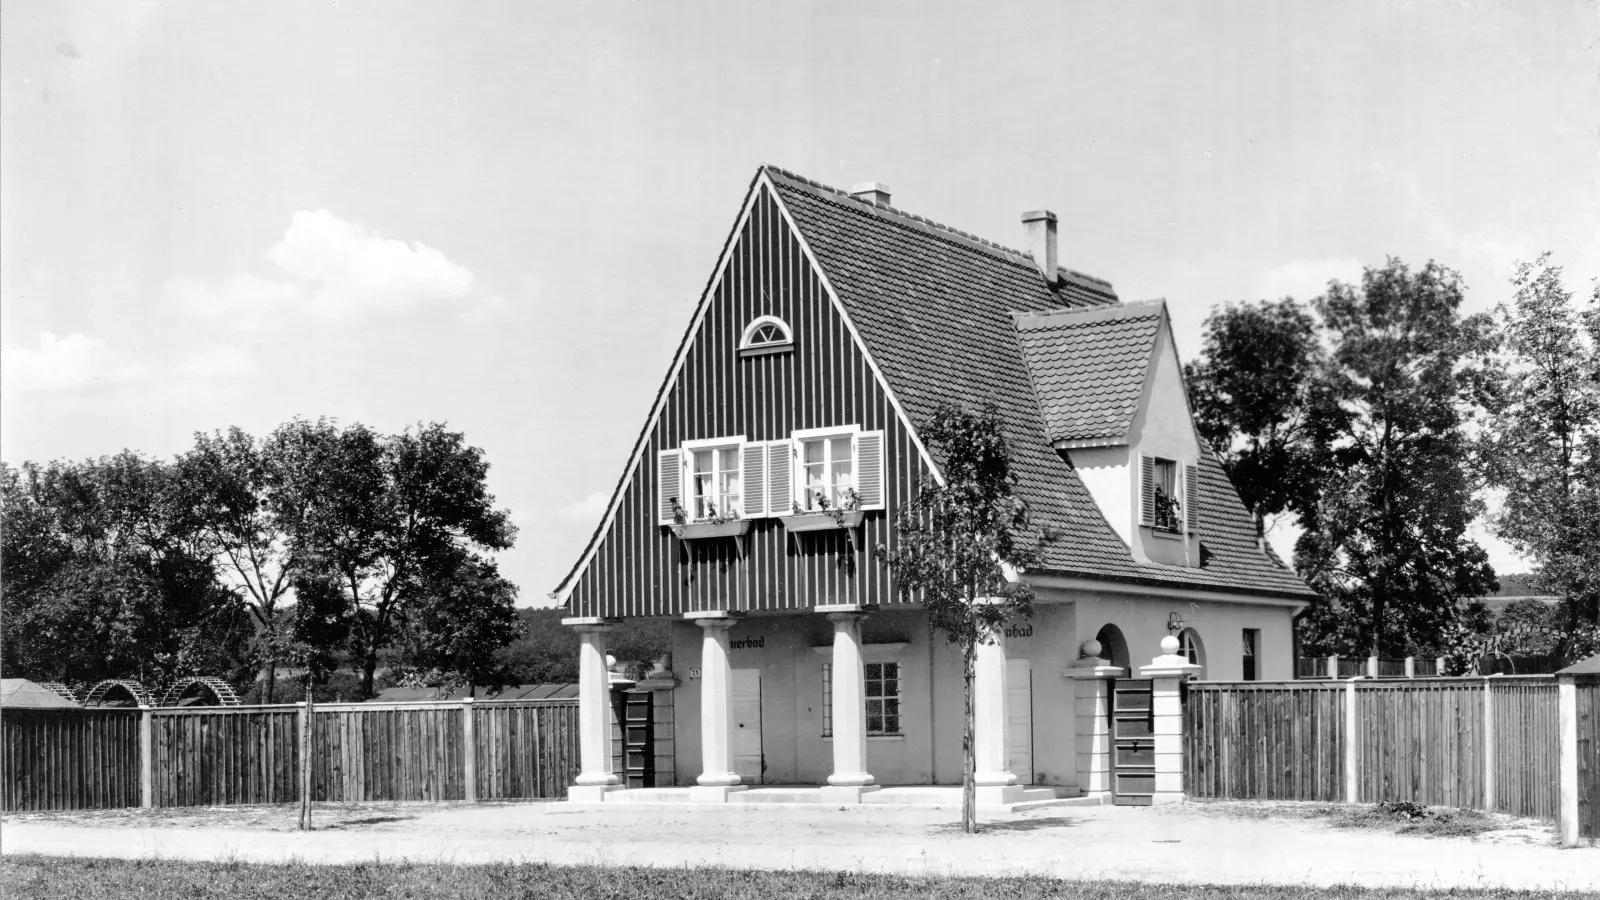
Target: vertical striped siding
[[639, 568]]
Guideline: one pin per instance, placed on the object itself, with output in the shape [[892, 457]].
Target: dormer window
[[1165, 486], [1168, 495], [766, 334]]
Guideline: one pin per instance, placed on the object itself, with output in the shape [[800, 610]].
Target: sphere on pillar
[[1091, 649], [1169, 645]]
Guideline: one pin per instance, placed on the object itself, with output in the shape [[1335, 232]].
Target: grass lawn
[[1398, 817], [101, 879]]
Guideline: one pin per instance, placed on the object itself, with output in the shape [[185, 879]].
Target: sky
[[501, 215]]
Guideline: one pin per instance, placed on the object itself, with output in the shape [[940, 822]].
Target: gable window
[[765, 334], [1168, 491], [1166, 494], [827, 472], [714, 483]]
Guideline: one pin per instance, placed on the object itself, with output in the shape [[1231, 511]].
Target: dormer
[[1111, 392]]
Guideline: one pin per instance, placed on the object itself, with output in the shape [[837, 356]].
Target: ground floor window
[[1190, 648], [883, 698], [1252, 640]]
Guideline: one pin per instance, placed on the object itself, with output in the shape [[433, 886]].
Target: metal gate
[[638, 744], [1133, 749]]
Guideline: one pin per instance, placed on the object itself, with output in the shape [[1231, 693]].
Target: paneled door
[[1019, 719], [746, 725]]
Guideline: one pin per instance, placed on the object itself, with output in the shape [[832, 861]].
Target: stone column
[[1567, 722], [596, 778], [850, 778], [995, 785], [717, 779], [1092, 717], [1166, 716]]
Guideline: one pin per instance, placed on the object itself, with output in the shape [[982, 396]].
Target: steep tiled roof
[[1089, 366], [937, 310]]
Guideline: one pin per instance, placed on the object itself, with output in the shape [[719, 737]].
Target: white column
[[717, 778], [1372, 667], [147, 763], [1333, 666], [995, 785], [469, 752], [1352, 745], [1488, 745], [850, 778], [1166, 718], [595, 779], [1091, 708], [1567, 714], [1411, 667]]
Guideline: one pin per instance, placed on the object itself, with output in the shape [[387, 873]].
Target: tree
[[381, 513], [1542, 443], [1386, 542], [1251, 389], [953, 543], [458, 620]]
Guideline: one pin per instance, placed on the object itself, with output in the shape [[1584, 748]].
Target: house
[[781, 445]]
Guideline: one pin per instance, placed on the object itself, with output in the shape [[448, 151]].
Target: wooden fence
[[1587, 697], [214, 756], [69, 758], [1466, 742]]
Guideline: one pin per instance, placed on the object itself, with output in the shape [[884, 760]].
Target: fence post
[[1372, 667], [1411, 667], [1567, 697], [1438, 666], [1333, 666], [469, 751], [1352, 738], [1488, 745], [303, 721], [147, 762]]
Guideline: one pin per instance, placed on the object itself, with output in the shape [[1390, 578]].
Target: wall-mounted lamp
[[1174, 623]]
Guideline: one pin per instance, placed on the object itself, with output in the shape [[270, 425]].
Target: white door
[[746, 725], [1019, 719]]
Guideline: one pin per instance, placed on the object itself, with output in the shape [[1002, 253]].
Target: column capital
[[853, 610], [590, 624], [714, 618]]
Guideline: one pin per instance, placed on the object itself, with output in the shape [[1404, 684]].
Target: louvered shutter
[[753, 480], [669, 478], [1191, 499], [780, 487], [869, 469], [1147, 490]]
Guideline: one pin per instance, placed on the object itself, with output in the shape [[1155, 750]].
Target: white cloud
[[1303, 279], [355, 267], [334, 268], [60, 364], [588, 509], [218, 362]]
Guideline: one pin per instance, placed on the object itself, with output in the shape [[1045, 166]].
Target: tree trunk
[[368, 666], [969, 791], [272, 678]]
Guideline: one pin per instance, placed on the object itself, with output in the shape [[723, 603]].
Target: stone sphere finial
[[611, 661], [1169, 645], [1091, 649]]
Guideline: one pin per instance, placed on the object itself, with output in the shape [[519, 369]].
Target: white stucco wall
[[1163, 427], [1220, 625], [1105, 472]]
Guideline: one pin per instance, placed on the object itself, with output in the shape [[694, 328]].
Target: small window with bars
[[827, 700]]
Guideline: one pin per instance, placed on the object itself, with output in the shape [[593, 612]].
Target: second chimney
[[874, 192], [1041, 228]]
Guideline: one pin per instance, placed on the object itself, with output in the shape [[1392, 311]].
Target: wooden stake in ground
[[305, 760]]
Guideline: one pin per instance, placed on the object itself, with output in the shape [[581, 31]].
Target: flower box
[[698, 530], [818, 521]]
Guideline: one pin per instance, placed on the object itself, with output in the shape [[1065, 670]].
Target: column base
[[591, 793], [1162, 798], [845, 794], [714, 793], [998, 794]]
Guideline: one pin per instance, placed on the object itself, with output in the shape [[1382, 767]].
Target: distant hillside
[[1519, 585]]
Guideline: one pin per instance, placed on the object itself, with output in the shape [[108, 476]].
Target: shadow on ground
[[1015, 825]]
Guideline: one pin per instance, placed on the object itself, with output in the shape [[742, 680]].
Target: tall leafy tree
[[457, 622], [1543, 439], [1252, 390], [953, 543], [1386, 543]]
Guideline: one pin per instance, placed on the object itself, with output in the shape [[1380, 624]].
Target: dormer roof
[[1088, 368]]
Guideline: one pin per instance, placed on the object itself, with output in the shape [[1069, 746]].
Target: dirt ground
[[1198, 842]]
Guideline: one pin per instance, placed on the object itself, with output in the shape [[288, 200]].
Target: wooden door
[[1133, 747], [1019, 719], [746, 725]]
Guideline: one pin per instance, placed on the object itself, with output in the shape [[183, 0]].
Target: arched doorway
[[1113, 645], [1190, 647]]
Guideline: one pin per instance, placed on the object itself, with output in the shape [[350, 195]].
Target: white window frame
[[898, 697], [798, 490], [688, 481], [747, 339], [1174, 493], [888, 652]]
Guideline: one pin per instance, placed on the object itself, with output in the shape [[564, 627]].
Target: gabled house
[[784, 440]]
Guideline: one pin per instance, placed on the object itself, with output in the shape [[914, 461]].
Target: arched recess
[[1193, 649], [202, 691], [118, 692], [1113, 645]]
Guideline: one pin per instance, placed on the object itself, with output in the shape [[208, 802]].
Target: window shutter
[[1147, 490], [780, 487], [1191, 499], [669, 479], [869, 469], [752, 480]]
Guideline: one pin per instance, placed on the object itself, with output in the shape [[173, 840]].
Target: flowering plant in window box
[[845, 514], [714, 525]]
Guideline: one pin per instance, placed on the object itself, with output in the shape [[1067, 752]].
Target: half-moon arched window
[[766, 333]]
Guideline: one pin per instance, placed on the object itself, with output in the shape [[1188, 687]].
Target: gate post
[[1166, 716], [1091, 708]]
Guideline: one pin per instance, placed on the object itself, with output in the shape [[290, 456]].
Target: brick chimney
[[1040, 225], [874, 192]]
